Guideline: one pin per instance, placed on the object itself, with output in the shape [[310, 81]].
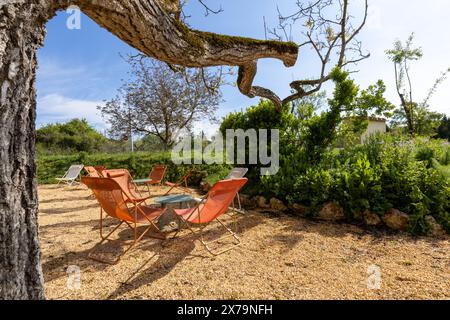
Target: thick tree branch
[[149, 26]]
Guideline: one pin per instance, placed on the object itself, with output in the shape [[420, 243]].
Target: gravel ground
[[280, 258]]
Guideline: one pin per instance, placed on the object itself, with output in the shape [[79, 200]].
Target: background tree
[[416, 115], [74, 136], [331, 32], [150, 26], [443, 131], [159, 101], [309, 129]]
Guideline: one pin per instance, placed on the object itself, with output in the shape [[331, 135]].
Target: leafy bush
[[385, 172], [262, 116]]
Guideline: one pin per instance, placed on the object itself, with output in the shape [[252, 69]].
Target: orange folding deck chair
[[156, 176], [179, 184], [125, 181], [92, 172], [215, 204], [112, 200], [100, 170]]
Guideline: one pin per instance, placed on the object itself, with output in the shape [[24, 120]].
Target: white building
[[376, 125]]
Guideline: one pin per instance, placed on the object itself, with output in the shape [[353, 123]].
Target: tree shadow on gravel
[[80, 198], [175, 251], [67, 209]]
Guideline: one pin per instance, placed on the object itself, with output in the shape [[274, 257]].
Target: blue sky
[[78, 69]]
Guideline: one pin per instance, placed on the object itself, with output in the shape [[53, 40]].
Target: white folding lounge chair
[[71, 175], [237, 173]]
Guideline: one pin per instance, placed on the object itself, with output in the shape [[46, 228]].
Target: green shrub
[[385, 172]]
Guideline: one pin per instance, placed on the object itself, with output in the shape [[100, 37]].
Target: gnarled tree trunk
[[150, 26], [20, 270]]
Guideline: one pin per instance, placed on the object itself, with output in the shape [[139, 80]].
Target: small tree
[[331, 30], [160, 100], [443, 131], [418, 118]]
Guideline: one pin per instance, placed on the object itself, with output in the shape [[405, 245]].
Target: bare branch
[[327, 34]]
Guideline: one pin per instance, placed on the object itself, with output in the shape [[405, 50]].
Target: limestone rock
[[298, 209], [247, 202], [371, 219], [277, 205], [331, 211], [436, 229], [397, 220], [262, 202]]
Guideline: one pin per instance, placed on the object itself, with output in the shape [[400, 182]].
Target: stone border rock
[[331, 211]]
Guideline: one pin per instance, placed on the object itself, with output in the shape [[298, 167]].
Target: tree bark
[[20, 270], [147, 25]]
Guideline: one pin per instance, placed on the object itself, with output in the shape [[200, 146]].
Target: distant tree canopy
[[74, 136], [417, 116], [443, 132], [160, 100]]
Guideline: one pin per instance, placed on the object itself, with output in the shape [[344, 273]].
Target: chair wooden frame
[[137, 211]]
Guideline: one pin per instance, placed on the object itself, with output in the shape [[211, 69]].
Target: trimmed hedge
[[139, 165]]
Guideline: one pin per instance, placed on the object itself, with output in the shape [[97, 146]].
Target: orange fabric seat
[[115, 203], [212, 207], [92, 172], [157, 174], [147, 213], [125, 181]]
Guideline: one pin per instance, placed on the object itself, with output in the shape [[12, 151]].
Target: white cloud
[[57, 108], [209, 129]]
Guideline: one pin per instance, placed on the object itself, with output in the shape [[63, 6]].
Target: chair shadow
[[81, 259], [173, 252], [76, 187]]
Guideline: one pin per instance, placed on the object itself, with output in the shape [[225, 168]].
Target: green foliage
[[74, 136], [139, 165], [403, 53], [385, 172], [262, 116], [372, 103], [443, 131]]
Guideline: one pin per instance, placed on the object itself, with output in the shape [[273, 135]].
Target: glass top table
[[169, 220], [173, 199]]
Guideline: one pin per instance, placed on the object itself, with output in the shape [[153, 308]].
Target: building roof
[[373, 119]]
